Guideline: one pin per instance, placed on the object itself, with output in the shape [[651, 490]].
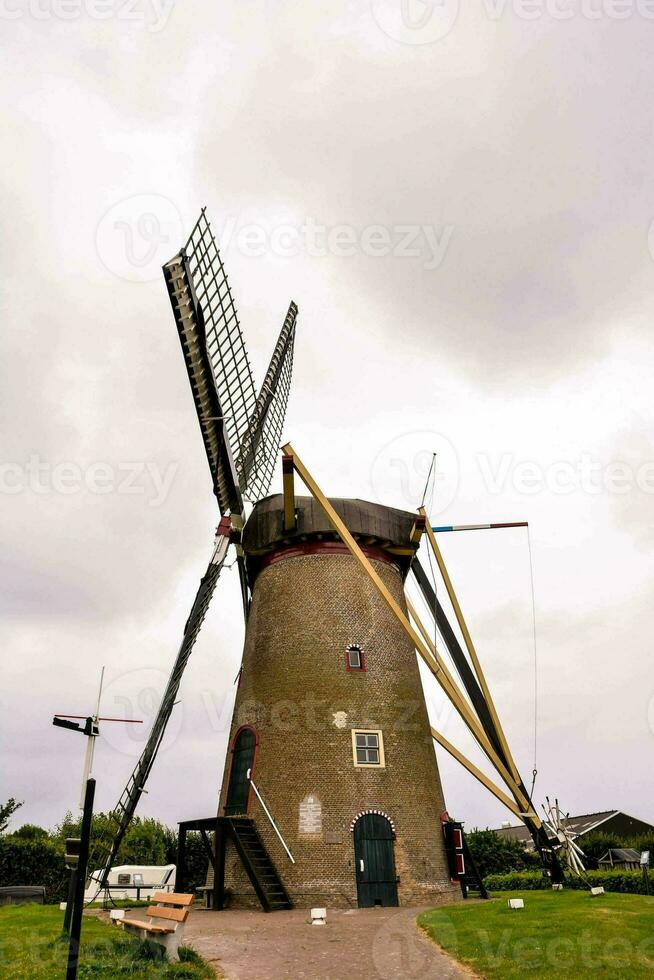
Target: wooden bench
[[166, 925]]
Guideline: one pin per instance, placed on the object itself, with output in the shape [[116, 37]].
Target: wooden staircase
[[258, 866]]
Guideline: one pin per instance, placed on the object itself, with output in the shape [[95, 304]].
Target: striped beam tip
[[478, 527]]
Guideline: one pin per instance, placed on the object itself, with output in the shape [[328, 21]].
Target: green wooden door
[[375, 861], [239, 784]]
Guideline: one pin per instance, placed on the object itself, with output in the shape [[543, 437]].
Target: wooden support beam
[[477, 773], [436, 669], [288, 481], [450, 687], [470, 647], [418, 529]]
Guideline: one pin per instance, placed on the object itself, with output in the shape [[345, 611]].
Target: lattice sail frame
[[241, 432], [258, 453], [224, 340]]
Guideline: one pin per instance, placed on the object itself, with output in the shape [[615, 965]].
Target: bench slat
[[161, 912], [140, 924], [172, 898]]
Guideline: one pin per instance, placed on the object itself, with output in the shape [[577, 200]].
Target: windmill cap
[[383, 532]]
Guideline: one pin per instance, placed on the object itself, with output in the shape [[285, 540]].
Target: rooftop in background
[[620, 855], [605, 821]]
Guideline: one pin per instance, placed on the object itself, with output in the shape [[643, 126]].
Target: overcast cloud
[[460, 203]]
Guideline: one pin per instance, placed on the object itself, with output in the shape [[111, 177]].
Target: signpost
[[77, 848]]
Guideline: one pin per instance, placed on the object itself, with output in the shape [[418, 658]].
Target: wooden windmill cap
[[385, 533]]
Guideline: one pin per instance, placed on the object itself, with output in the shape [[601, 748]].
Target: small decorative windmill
[[557, 824], [241, 432]]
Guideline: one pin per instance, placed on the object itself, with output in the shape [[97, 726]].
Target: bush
[[612, 881], [34, 862], [595, 845]]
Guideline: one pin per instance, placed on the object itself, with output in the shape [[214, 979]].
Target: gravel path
[[357, 944]]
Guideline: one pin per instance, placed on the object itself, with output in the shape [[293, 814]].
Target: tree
[[30, 831], [494, 854], [7, 810]]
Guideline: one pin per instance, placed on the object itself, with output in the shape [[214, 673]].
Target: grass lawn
[[31, 949], [557, 934]]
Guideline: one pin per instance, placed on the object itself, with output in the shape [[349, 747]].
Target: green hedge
[[34, 862], [611, 881]]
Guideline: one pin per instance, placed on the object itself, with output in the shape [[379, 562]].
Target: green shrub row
[[612, 881], [32, 856], [34, 862]]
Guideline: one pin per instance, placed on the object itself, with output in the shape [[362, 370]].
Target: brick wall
[[296, 692]]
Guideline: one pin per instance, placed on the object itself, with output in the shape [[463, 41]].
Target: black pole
[[78, 906], [180, 875], [70, 900]]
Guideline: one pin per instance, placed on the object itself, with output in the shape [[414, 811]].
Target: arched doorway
[[238, 792], [375, 861]]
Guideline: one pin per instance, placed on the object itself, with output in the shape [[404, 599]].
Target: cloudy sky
[[460, 202]]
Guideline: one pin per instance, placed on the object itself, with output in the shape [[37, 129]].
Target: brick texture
[[296, 692]]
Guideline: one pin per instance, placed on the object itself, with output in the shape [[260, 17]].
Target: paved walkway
[[356, 944]]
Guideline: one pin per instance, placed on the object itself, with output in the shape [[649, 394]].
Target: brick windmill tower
[[331, 792], [330, 723]]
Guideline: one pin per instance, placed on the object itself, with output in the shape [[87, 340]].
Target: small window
[[368, 749], [354, 659]]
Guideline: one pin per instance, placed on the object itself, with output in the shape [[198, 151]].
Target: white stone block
[[62, 906], [116, 915], [596, 891], [516, 903], [318, 917]]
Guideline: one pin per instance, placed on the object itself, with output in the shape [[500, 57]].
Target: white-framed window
[[368, 748]]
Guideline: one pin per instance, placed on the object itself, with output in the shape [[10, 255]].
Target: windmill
[[341, 794], [241, 431]]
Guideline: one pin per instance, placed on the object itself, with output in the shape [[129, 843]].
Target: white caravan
[[133, 881]]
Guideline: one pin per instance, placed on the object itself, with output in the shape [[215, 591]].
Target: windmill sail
[[262, 439], [241, 434], [215, 355], [103, 858]]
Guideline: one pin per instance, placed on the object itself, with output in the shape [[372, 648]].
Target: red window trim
[[355, 670]]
